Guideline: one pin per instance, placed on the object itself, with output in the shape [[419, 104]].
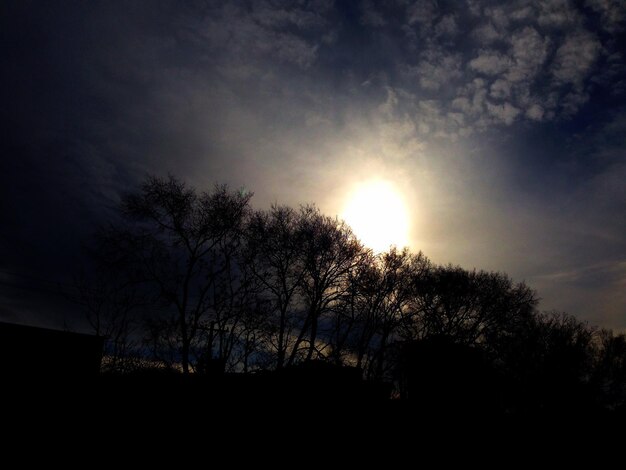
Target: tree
[[609, 369], [112, 307], [394, 289], [229, 288], [377, 303], [469, 306], [330, 253], [178, 243], [273, 254]]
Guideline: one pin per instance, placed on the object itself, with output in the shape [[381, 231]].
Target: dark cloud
[[501, 124]]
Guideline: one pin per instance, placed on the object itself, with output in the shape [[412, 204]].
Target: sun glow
[[377, 214]]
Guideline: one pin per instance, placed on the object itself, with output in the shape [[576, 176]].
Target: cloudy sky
[[502, 124]]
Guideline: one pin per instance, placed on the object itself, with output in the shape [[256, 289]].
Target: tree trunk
[[313, 337], [185, 346], [381, 355], [299, 340], [280, 360], [185, 356]]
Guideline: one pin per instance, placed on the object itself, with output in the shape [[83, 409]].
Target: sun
[[377, 214]]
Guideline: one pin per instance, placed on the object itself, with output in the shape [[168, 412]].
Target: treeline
[[202, 283]]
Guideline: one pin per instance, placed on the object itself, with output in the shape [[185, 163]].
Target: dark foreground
[[236, 421]]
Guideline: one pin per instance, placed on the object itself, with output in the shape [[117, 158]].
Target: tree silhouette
[[384, 290], [274, 254], [112, 307], [469, 306], [294, 295], [180, 243], [330, 252], [609, 373]]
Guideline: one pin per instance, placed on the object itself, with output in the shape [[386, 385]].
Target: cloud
[[370, 16], [447, 26], [540, 58], [575, 58], [272, 16], [498, 17], [528, 51], [500, 89], [471, 98], [436, 69], [557, 13], [422, 12], [486, 34], [474, 7], [505, 113], [613, 13], [490, 63], [524, 13], [266, 32], [535, 112]]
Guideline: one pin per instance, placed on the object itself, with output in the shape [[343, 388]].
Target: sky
[[501, 124]]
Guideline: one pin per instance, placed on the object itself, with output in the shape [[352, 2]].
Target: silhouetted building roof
[[34, 352]]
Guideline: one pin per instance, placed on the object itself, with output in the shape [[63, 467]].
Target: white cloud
[[498, 16], [500, 89], [398, 139], [396, 131], [446, 27], [558, 13], [490, 63], [474, 7], [273, 17], [422, 11], [613, 13], [433, 121], [247, 37], [437, 69], [471, 98], [294, 50], [388, 107], [575, 57], [457, 118], [522, 14], [430, 108], [535, 112], [529, 51], [462, 103], [486, 34], [506, 112]]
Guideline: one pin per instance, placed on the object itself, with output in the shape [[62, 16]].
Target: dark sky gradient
[[503, 126]]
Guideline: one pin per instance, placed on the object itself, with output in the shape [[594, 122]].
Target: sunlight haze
[[378, 215]]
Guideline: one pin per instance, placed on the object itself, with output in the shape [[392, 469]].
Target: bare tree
[[400, 272], [112, 308], [233, 289], [274, 256], [178, 242], [382, 291], [468, 306], [609, 371], [330, 253]]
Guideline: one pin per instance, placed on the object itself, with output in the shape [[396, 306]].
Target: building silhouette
[[31, 352]]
